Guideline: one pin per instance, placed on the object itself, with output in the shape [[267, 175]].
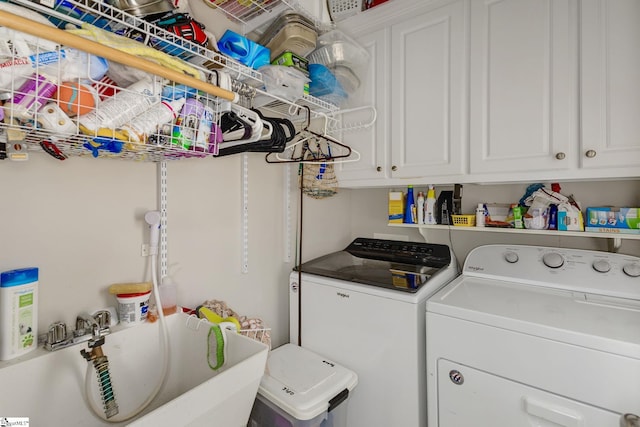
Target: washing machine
[[536, 336], [363, 307]]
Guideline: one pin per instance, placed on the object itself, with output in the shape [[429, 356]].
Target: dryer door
[[469, 397]]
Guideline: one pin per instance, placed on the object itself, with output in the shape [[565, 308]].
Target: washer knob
[[632, 270], [511, 257], [601, 266], [553, 260]]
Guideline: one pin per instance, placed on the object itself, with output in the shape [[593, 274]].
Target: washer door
[[469, 397]]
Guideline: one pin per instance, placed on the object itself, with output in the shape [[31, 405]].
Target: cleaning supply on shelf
[[18, 312], [420, 207], [185, 128], [409, 207], [244, 50], [444, 207], [396, 208], [30, 97], [133, 308], [430, 206], [480, 215], [116, 111], [553, 217], [147, 123]]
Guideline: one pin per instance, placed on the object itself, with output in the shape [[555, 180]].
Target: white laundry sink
[[48, 387]]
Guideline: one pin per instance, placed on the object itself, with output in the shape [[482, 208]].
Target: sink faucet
[[85, 323], [88, 328]]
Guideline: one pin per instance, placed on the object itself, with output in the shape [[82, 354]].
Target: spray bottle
[[430, 207]]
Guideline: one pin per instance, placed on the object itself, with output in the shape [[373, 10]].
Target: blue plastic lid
[[18, 277]]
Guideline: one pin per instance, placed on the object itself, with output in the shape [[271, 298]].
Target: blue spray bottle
[[410, 207]]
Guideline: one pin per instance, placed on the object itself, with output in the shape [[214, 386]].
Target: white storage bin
[[302, 389]]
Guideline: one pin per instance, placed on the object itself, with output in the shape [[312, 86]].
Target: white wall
[[81, 222]]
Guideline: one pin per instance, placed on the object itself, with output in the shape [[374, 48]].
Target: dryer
[[363, 307], [535, 336]]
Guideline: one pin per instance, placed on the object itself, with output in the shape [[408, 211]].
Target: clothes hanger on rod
[[314, 147]]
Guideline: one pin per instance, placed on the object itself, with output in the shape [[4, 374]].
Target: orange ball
[[76, 99]]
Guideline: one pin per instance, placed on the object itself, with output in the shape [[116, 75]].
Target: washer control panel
[[602, 273]]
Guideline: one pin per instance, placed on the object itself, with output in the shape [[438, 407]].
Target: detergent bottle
[[410, 207]]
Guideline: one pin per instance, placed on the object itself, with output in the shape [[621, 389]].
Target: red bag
[[368, 4]]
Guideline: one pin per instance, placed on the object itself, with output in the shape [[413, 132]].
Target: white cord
[[164, 338]]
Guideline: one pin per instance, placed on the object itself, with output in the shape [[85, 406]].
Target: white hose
[[164, 339]]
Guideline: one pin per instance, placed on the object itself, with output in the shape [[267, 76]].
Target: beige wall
[[81, 222]]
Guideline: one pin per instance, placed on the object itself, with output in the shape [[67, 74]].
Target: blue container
[[409, 215], [243, 50]]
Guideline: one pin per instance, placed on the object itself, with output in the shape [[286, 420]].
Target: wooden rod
[[65, 38]]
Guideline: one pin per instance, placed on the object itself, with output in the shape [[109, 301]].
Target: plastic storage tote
[[302, 389]]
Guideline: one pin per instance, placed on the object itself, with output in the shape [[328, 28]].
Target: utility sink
[[48, 387]]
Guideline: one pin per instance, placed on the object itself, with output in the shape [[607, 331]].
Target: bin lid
[[302, 383]]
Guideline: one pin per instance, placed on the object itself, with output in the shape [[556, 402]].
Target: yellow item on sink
[[130, 288], [213, 317]]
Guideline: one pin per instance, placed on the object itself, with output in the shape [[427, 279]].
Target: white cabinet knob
[[379, 168], [560, 156], [590, 154], [394, 168]]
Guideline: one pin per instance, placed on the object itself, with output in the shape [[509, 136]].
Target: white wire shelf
[[29, 134]]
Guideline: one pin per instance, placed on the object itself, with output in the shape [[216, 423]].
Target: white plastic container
[[18, 312], [302, 389], [147, 123], [117, 110], [480, 215], [133, 308], [430, 207]]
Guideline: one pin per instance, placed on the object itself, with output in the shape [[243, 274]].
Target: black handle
[[338, 399]]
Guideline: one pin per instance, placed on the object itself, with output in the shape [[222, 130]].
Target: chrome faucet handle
[[103, 317], [56, 335], [86, 324]]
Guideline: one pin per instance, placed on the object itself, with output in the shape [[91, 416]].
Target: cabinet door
[[370, 142], [522, 86], [428, 57], [610, 66]]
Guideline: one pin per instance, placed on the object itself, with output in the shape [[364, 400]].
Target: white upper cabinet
[[475, 91], [428, 56], [610, 85], [371, 142], [523, 82], [417, 82]]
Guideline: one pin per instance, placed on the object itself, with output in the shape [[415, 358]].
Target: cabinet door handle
[[560, 156], [394, 168], [550, 412], [379, 168], [590, 154]]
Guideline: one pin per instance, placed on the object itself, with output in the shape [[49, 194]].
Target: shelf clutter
[[540, 211], [142, 82]]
